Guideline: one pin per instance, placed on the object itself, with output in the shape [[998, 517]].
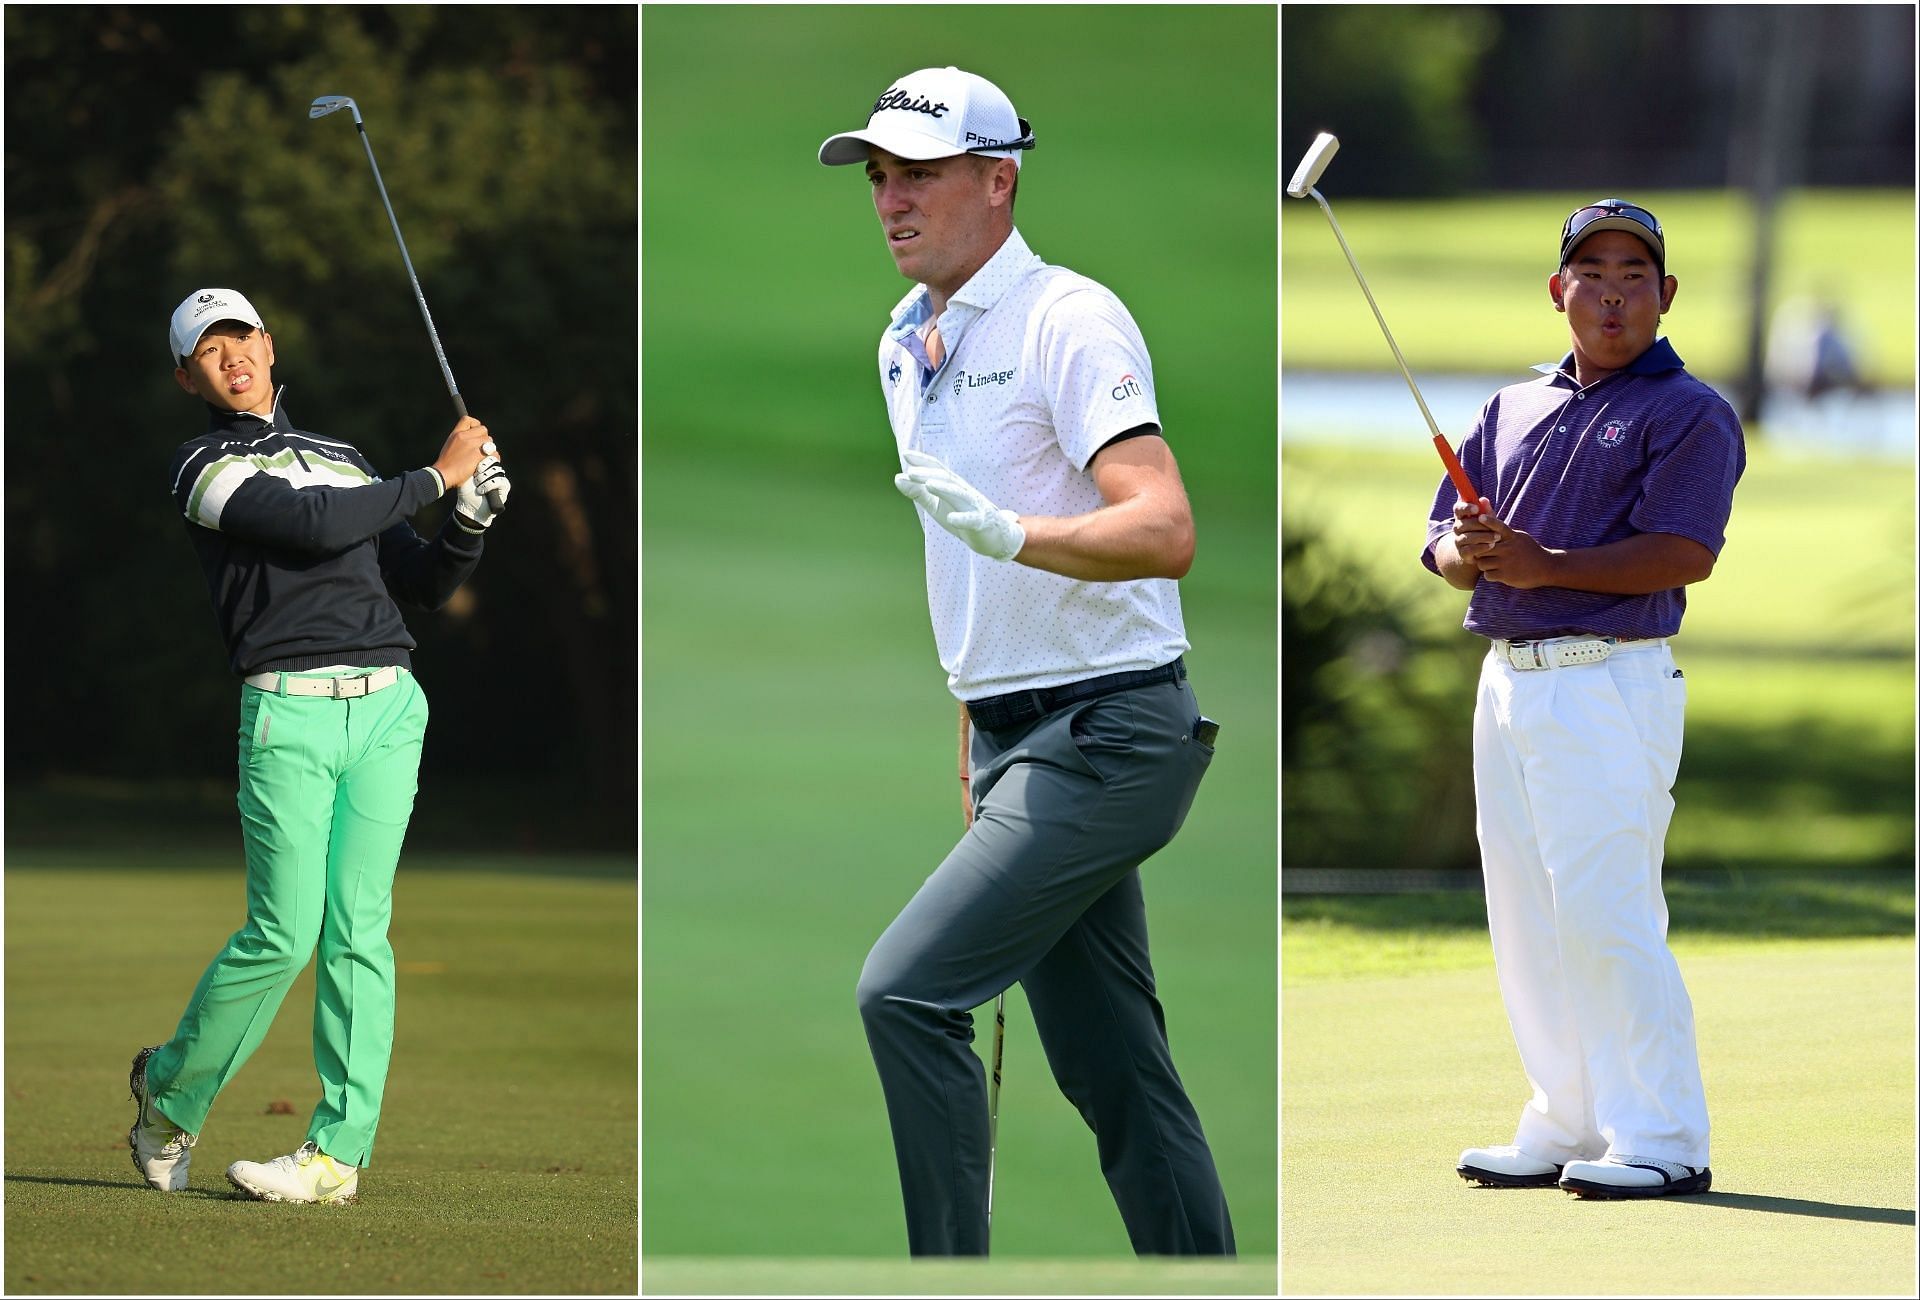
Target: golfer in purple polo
[[1607, 482]]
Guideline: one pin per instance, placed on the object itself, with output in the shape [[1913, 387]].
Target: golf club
[[1302, 186], [326, 104], [993, 1100]]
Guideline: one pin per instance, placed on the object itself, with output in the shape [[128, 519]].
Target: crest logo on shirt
[[1127, 387], [1614, 433], [893, 373]]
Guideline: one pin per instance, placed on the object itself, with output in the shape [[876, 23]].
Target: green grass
[[505, 1160], [798, 737], [1799, 660], [785, 828], [670, 1275], [1403, 1058], [1462, 282]]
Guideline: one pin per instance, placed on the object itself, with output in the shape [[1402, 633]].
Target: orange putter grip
[[1455, 471]]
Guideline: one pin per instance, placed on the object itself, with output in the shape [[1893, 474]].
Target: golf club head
[[1307, 174], [332, 104]]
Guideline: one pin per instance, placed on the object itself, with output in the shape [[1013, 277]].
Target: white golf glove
[[960, 507], [475, 508]]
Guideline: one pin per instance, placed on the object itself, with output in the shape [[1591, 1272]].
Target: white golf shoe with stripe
[[1624, 1177], [308, 1175]]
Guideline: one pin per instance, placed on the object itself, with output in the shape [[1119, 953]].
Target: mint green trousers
[[326, 788]]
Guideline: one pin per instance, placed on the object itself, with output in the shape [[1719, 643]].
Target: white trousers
[[1573, 772]]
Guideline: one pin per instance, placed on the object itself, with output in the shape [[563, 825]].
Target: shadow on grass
[[28, 856], [118, 1185], [1791, 1205], [514, 819], [1803, 763], [1859, 905]]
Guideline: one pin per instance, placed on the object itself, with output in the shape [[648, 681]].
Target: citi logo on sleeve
[[1127, 387]]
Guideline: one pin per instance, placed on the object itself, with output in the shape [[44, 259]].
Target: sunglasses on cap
[[1024, 142], [1613, 211]]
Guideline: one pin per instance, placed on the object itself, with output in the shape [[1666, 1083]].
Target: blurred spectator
[[1808, 352]]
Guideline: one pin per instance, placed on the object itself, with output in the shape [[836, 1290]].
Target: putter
[[326, 104], [993, 1100], [1302, 186]]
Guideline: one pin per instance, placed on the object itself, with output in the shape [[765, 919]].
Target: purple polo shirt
[[1648, 449]]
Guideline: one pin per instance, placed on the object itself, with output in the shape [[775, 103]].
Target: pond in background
[[1377, 409]]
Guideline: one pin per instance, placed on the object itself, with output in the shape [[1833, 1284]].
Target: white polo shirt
[[1043, 368]]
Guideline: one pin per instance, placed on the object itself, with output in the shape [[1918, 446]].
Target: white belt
[[337, 688], [1565, 651]]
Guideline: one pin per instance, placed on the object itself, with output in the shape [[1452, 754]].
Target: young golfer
[[1607, 485], [1056, 527], [306, 553]]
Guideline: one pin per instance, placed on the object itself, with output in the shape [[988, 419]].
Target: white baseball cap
[[203, 309], [936, 113]]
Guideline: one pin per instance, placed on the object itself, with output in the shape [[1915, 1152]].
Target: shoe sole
[[1488, 1178], [1599, 1191], [260, 1194]]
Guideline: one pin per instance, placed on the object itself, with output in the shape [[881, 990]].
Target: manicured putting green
[[1808, 1052]]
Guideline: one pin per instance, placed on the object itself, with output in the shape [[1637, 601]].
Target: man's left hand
[[959, 507], [1512, 557], [475, 510]]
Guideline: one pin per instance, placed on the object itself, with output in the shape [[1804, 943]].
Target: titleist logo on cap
[[907, 102]]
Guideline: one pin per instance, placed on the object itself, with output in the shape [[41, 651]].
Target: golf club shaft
[[439, 353], [993, 1101], [1455, 471]]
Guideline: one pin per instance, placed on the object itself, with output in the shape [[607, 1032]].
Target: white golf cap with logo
[[936, 113], [203, 309]]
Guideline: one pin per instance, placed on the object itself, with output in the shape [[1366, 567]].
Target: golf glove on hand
[[960, 507], [474, 510]]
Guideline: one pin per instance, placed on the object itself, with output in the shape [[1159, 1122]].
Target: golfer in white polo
[[1056, 526]]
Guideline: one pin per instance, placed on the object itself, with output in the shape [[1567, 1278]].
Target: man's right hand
[[1473, 536], [465, 448]]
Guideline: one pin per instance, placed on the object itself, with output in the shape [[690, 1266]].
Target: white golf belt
[[1565, 651], [338, 688]]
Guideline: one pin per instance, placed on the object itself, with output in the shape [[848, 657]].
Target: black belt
[[998, 712]]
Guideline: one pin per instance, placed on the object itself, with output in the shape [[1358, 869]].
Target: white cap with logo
[[202, 309], [936, 113]]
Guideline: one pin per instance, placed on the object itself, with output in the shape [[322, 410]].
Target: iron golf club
[[326, 104], [1302, 186], [993, 1100]]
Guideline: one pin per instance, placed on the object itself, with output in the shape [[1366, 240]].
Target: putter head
[[332, 104], [1307, 174]]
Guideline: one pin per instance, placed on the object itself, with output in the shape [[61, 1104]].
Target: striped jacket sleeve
[[277, 497]]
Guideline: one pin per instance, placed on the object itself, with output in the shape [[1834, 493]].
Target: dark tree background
[[154, 150]]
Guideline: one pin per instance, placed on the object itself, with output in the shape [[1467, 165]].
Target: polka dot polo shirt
[[1043, 368]]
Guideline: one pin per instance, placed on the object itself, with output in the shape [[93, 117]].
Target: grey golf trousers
[[1044, 889]]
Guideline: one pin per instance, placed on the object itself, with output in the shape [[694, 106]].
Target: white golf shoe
[[161, 1149], [1615, 1177], [308, 1175], [1506, 1167]]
